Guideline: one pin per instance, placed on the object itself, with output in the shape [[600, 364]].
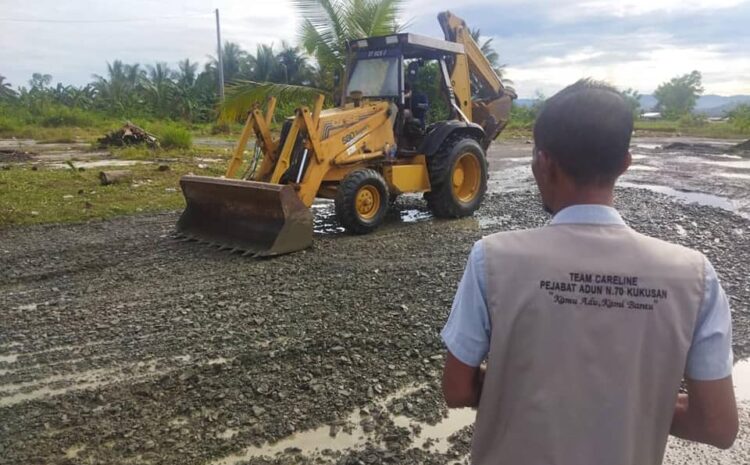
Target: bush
[[521, 117], [740, 117], [174, 137], [8, 125], [63, 116], [221, 127], [690, 120]]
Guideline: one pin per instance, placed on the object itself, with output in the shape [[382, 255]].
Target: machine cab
[[410, 71]]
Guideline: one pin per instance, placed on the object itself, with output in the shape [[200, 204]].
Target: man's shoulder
[[524, 239], [503, 238], [666, 248], [514, 233]]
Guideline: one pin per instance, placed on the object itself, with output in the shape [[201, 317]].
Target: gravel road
[[120, 344]]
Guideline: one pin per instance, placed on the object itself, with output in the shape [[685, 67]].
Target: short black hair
[[586, 128]]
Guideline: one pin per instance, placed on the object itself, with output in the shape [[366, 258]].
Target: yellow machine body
[[267, 210]]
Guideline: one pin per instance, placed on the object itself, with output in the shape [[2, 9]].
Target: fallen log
[[114, 177]]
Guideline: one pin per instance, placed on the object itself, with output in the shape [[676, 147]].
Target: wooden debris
[[129, 134], [114, 177]]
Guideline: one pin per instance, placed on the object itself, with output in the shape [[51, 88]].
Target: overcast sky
[[546, 44]]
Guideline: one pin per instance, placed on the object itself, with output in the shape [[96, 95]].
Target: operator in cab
[[572, 340]]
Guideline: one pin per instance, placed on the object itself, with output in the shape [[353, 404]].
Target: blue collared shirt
[[467, 332]]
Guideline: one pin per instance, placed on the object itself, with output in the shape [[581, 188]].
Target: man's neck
[[591, 196]]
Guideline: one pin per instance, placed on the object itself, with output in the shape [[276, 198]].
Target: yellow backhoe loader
[[376, 145]]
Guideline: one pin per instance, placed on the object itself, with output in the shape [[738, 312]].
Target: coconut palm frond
[[242, 95], [355, 18], [383, 16], [324, 15], [370, 18], [322, 45], [329, 24]]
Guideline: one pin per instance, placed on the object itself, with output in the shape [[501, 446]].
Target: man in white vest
[[572, 340]]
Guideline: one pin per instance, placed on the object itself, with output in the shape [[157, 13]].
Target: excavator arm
[[491, 108]]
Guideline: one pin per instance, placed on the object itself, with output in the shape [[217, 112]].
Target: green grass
[[52, 135], [715, 130], [174, 137], [510, 133], [64, 195], [66, 117], [718, 130]]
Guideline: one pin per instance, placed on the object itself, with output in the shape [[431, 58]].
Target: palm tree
[[326, 28], [39, 81], [265, 65], [158, 88], [234, 59], [81, 97], [185, 91], [187, 73], [118, 92], [6, 91], [329, 24], [294, 65]]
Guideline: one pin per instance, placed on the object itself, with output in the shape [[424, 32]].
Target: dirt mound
[[742, 147], [694, 147]]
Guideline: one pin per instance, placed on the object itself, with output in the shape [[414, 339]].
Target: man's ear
[[547, 166]]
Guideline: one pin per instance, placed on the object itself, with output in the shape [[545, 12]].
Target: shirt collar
[[588, 214]]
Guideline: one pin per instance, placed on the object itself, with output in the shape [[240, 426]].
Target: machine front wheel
[[362, 201]]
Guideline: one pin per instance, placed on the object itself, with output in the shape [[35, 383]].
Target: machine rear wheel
[[458, 174], [362, 201]]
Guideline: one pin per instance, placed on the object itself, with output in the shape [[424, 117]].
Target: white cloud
[[567, 10], [643, 71], [625, 8], [546, 44], [170, 31]]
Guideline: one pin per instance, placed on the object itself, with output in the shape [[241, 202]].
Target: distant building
[[651, 115]]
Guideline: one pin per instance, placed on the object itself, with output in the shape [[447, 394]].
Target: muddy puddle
[[695, 171], [355, 432], [411, 208], [356, 435], [700, 198]]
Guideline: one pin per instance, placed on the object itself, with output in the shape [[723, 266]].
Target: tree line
[[185, 92], [188, 91]]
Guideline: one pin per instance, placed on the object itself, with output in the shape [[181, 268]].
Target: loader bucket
[[259, 218]]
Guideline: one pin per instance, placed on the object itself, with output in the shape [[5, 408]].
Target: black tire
[[346, 201], [442, 199]]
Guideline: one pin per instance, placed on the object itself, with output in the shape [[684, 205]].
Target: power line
[[117, 20]]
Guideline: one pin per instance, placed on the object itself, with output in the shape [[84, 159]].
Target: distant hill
[[709, 105], [648, 102], [524, 102], [714, 105]]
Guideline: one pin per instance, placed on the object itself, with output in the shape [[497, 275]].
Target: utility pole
[[221, 58]]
